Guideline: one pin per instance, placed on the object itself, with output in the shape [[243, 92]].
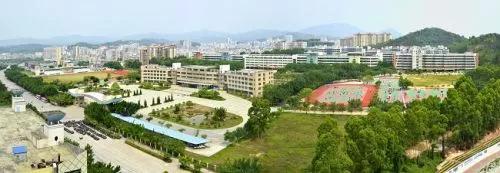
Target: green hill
[[426, 36], [487, 46]]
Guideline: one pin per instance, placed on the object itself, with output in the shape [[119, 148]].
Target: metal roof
[[163, 130], [19, 150]]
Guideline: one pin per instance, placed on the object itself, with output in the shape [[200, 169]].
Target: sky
[[49, 18]]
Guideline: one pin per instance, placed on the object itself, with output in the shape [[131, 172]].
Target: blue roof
[[163, 130], [19, 150]]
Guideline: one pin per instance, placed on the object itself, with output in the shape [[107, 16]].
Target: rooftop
[[163, 130]]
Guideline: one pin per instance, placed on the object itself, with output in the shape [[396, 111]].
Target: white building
[[18, 102], [435, 59]]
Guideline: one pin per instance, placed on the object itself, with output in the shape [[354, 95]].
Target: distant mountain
[[59, 40], [337, 30], [332, 31], [427, 36], [23, 48]]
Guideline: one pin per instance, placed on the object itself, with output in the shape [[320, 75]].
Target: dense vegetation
[[487, 46], [260, 117], [285, 51], [376, 143], [426, 36], [242, 165], [5, 98], [52, 91], [114, 65], [124, 108], [315, 75], [97, 166], [101, 116], [235, 65], [133, 64], [208, 94]]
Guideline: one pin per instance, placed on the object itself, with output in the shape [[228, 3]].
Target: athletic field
[[390, 91], [341, 93], [76, 77]]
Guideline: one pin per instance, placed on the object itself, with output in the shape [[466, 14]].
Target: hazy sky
[[48, 18]]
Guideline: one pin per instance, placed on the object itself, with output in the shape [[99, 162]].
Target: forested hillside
[[426, 36], [487, 46]]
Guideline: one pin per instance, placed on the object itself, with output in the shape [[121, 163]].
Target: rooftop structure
[[16, 129], [189, 139]]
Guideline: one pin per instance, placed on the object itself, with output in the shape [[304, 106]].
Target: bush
[[208, 94]]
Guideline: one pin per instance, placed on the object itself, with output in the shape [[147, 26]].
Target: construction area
[[19, 152]]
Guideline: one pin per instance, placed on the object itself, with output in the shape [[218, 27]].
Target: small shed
[[20, 152]]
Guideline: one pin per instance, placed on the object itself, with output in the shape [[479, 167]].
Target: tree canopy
[[114, 65]]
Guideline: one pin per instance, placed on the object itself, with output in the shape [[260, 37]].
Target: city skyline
[[34, 19]]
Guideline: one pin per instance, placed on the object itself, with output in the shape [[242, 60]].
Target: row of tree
[[53, 91], [5, 95], [376, 142], [101, 115]]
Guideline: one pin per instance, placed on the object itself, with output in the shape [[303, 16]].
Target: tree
[[242, 165], [404, 83], [260, 115], [158, 100], [115, 89], [331, 154], [145, 103], [367, 79], [219, 114], [100, 167], [114, 65], [133, 64]]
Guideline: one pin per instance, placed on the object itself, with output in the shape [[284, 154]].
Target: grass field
[[433, 80], [288, 145], [66, 78]]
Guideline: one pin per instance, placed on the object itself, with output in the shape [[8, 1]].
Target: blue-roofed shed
[[19, 152], [189, 139]]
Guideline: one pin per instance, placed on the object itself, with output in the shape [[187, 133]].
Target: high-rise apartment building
[[156, 51], [365, 39], [55, 54]]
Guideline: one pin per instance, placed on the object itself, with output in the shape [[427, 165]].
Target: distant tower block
[[18, 102]]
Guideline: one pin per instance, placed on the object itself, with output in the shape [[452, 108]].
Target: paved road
[[110, 150]]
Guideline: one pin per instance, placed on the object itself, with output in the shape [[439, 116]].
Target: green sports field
[[433, 80], [288, 145]]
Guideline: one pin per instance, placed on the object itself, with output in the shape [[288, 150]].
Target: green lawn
[[433, 80], [288, 146], [66, 78]]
